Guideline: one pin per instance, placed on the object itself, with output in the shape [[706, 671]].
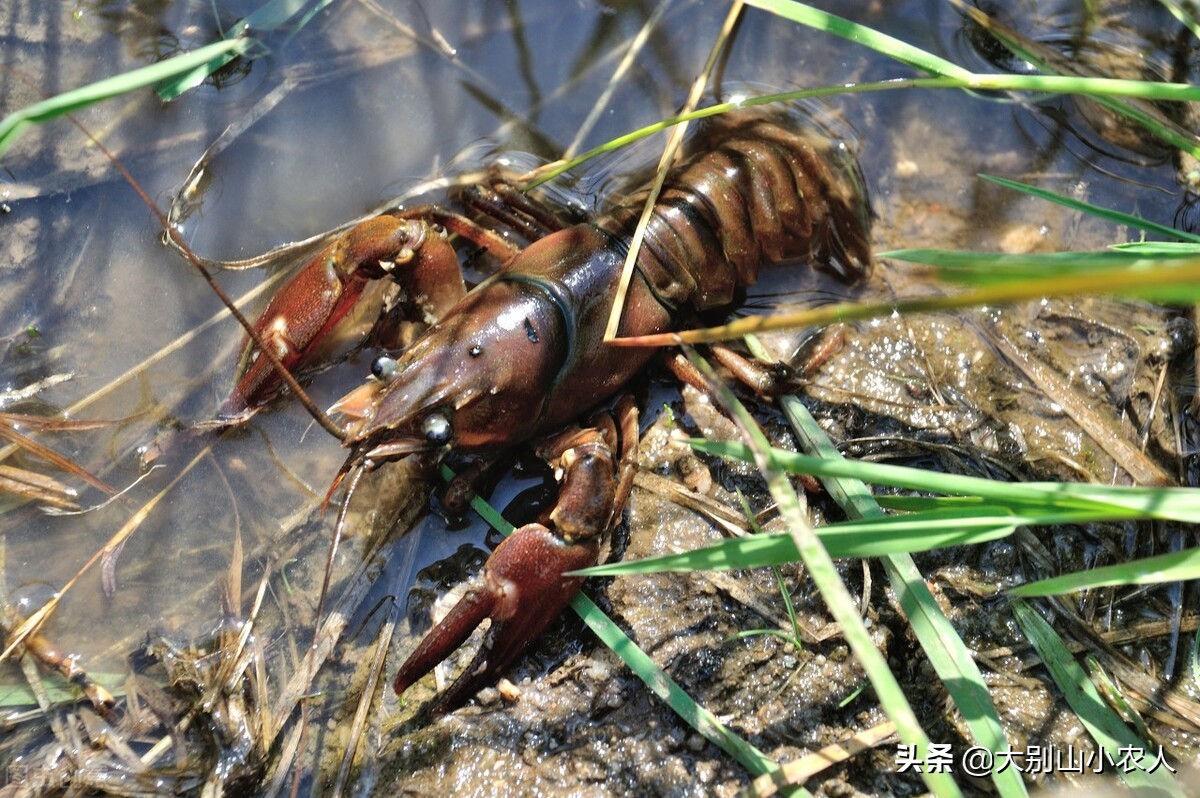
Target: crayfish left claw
[[299, 322], [524, 588], [525, 583]]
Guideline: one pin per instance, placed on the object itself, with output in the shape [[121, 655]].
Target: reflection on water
[[364, 102]]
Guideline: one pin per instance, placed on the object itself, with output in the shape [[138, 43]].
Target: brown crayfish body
[[521, 356]]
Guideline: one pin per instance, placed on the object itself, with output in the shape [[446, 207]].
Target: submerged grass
[[76, 100]]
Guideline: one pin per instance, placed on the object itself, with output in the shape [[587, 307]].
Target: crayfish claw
[[523, 589], [525, 583]]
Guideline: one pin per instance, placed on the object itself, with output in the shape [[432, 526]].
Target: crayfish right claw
[[525, 583], [524, 588]]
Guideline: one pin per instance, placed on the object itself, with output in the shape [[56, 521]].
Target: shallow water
[[364, 103]]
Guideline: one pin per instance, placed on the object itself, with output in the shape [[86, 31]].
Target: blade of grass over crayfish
[[841, 605], [674, 142], [1116, 217], [1116, 501], [654, 677], [948, 75], [15, 123], [1057, 84], [1177, 566], [1176, 278], [1105, 726], [941, 643]]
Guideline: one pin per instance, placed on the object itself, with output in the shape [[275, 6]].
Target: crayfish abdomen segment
[[754, 192]]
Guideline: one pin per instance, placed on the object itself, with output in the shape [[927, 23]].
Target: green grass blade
[[1097, 88], [945, 649], [1104, 725], [1116, 217], [918, 504], [870, 538], [1119, 502], [936, 525], [893, 48], [308, 16], [267, 17], [970, 265], [1165, 277], [68, 102], [1178, 566], [663, 686], [654, 677], [1035, 513], [1185, 13], [1159, 248], [18, 695], [824, 575]]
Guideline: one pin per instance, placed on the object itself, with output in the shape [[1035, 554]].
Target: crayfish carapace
[[520, 357]]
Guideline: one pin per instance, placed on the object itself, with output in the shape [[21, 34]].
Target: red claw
[[300, 319], [522, 590], [524, 584]]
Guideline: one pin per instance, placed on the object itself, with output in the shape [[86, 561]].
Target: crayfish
[[520, 357]]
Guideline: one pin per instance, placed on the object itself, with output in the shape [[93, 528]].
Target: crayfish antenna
[[354, 461], [175, 239]]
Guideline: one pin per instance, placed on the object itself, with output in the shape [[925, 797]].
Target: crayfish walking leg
[[524, 584]]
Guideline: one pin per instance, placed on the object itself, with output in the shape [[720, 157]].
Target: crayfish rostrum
[[521, 358]]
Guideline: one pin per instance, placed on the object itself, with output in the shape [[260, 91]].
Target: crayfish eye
[[436, 428], [384, 367]]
